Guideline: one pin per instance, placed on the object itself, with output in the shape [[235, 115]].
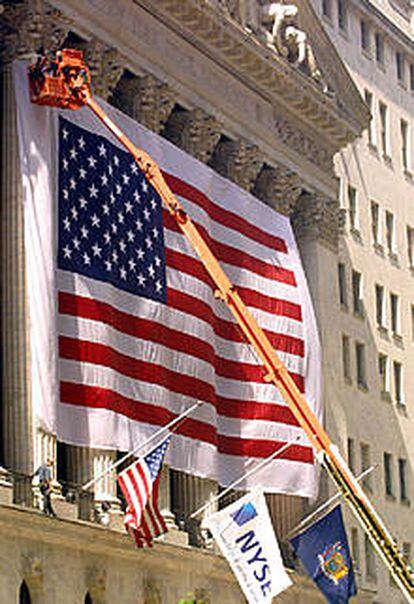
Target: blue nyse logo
[[244, 514]]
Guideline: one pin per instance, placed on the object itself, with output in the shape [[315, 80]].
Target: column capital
[[319, 217], [106, 65], [279, 187], [194, 131], [146, 99], [29, 25], [239, 160]]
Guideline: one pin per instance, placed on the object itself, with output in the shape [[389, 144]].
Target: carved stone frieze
[[318, 217], [28, 26], [32, 570], [279, 187], [96, 583], [240, 161], [300, 142], [145, 99], [106, 65], [194, 131]]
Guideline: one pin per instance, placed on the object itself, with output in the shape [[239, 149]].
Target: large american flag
[[129, 318], [139, 484]]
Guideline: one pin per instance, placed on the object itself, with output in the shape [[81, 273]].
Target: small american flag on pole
[[139, 484]]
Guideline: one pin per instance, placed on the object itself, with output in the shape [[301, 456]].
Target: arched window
[[88, 599], [24, 594]]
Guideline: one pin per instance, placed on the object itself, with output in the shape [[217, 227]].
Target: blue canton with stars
[[155, 458], [110, 217]]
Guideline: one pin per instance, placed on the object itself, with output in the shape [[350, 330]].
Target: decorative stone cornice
[[316, 217], [32, 570], [239, 161], [96, 583], [27, 26], [194, 131], [106, 65], [145, 99], [279, 187], [338, 117]]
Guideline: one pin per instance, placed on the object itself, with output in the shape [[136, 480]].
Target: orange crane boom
[[65, 82]]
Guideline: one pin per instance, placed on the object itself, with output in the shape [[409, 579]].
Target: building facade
[[217, 79], [375, 270]]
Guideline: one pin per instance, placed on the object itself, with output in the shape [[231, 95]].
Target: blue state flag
[[323, 550]]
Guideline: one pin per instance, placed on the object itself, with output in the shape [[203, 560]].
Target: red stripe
[[236, 257], [147, 493], [224, 217], [163, 335], [275, 306], [88, 308], [103, 398], [92, 396], [271, 412], [232, 445], [99, 354]]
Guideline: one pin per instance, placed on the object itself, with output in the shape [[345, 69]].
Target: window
[[400, 66], [360, 364], [379, 48], [388, 474], [412, 78], [355, 547], [346, 358], [369, 103], [364, 35], [404, 144], [390, 231], [365, 465], [352, 200], [375, 223], [342, 15], [383, 113], [358, 306], [383, 373], [24, 594], [410, 246], [402, 475], [395, 314], [379, 305], [342, 285], [327, 8], [351, 454], [398, 395], [370, 563]]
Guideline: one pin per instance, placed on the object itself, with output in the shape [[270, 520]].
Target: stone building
[[375, 269], [267, 108]]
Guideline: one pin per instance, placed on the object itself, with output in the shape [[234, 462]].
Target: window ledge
[[348, 380], [362, 386], [408, 175], [366, 52], [344, 307], [359, 314], [356, 234], [406, 502], [343, 31], [398, 339], [387, 160], [401, 84], [390, 497], [373, 149], [401, 406], [393, 256], [379, 249], [383, 331], [386, 396]]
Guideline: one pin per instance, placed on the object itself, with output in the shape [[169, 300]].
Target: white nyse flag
[[244, 533]]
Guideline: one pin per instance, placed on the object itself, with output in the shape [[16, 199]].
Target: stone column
[[240, 161], [145, 99], [25, 26], [194, 131]]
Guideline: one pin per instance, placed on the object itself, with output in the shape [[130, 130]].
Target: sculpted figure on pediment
[[290, 41]]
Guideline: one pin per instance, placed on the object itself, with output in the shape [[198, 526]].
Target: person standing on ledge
[[44, 472]]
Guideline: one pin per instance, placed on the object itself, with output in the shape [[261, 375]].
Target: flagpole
[[271, 457], [327, 503], [168, 426]]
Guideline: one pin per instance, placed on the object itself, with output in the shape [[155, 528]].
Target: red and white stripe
[[143, 517]]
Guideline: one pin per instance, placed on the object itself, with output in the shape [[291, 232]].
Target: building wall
[[372, 417]]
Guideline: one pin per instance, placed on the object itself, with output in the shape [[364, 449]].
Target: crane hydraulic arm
[[65, 82]]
